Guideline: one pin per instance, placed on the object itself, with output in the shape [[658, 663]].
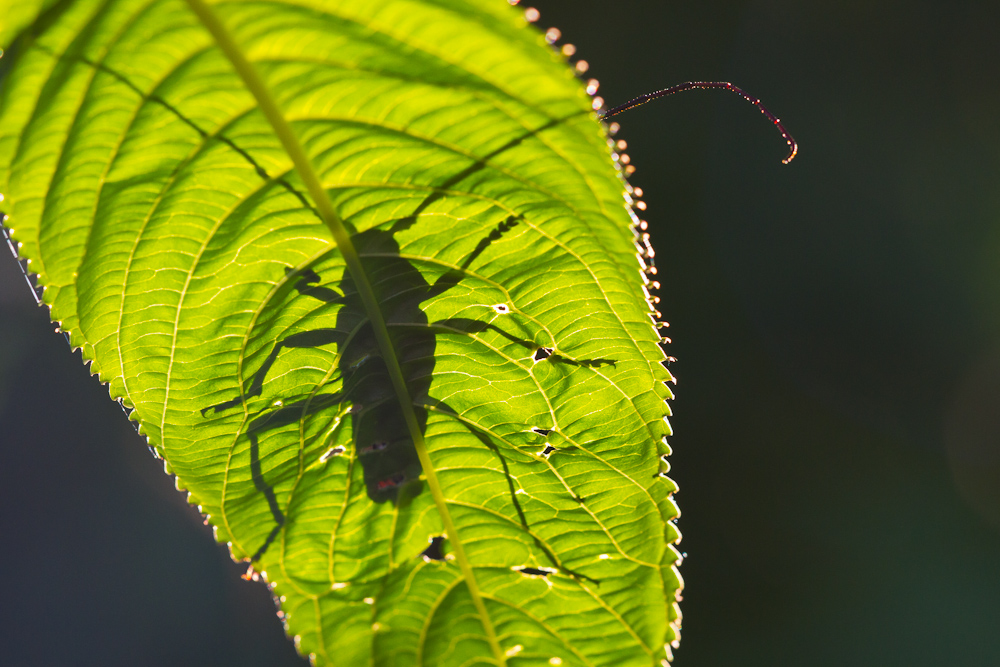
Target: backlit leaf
[[181, 249]]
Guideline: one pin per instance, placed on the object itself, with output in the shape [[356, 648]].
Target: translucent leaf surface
[[179, 247]]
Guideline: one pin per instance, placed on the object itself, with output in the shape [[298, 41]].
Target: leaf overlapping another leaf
[[179, 249]]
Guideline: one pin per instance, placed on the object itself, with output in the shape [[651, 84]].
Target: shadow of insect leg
[[265, 488], [315, 338], [488, 441], [453, 277], [306, 286], [288, 414], [470, 327]]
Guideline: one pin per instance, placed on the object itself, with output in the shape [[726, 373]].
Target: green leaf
[[367, 274]]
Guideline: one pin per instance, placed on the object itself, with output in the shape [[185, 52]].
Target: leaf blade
[[215, 215]]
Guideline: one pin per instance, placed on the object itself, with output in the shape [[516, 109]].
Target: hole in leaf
[[543, 353], [333, 451], [548, 450], [542, 431], [435, 551], [514, 650], [502, 308], [534, 571]]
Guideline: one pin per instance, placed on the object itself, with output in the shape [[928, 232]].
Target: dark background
[[836, 321]]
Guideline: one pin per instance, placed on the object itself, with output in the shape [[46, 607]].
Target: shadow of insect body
[[383, 444]]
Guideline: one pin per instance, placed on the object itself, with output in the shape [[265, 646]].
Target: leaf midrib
[[303, 165]]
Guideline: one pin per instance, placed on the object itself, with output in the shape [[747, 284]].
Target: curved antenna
[[793, 147]]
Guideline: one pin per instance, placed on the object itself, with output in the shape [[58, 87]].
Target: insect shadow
[[381, 438], [383, 443]]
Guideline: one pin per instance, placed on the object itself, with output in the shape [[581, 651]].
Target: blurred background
[[836, 323]]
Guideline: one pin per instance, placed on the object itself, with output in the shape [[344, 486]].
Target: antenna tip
[[791, 155]]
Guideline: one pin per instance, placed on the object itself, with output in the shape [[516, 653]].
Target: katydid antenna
[[793, 147]]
